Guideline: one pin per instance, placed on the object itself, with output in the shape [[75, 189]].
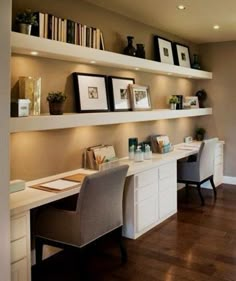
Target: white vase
[[173, 106], [25, 28]]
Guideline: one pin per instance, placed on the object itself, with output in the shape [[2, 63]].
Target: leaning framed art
[[140, 97], [181, 55], [90, 92], [120, 98], [163, 50]]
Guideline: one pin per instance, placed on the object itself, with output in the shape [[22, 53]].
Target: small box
[[20, 108], [16, 185]]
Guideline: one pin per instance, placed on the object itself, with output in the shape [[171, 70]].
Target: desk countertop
[[31, 198]]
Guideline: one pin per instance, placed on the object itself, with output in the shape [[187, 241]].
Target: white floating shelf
[[24, 44], [72, 120]]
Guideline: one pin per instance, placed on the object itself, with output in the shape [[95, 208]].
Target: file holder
[[156, 148]]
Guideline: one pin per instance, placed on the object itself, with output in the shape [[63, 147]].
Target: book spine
[[39, 29], [69, 32], [49, 27], [46, 26]]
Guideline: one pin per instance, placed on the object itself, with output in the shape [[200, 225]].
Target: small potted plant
[[25, 20], [173, 100], [200, 133], [56, 102]]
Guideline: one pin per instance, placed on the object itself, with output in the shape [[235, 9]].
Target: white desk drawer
[[18, 249], [18, 227], [146, 178], [146, 213], [167, 202], [167, 170], [19, 270], [166, 183], [145, 192]]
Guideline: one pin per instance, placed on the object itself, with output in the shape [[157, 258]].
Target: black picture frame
[[119, 93], [181, 55], [163, 50], [91, 94]]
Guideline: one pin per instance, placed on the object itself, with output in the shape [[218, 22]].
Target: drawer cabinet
[[20, 247], [150, 197]]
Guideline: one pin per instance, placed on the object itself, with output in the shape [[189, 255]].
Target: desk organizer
[[156, 148]]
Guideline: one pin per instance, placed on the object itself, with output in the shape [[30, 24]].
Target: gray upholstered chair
[[199, 170], [98, 212]]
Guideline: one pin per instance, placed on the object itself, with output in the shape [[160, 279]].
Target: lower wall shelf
[[72, 120]]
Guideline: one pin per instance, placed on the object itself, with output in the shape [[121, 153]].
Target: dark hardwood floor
[[197, 244]]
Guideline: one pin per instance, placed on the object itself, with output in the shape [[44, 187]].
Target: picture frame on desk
[[90, 92], [181, 55], [140, 97], [119, 89], [163, 50]]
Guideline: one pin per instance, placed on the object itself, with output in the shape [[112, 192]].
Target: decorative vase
[[140, 53], [25, 28], [173, 106], [56, 108], [202, 96], [196, 64], [130, 50]]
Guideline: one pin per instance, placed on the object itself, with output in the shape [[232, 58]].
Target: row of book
[[65, 30]]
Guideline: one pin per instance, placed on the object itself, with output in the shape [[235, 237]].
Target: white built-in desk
[[150, 197]]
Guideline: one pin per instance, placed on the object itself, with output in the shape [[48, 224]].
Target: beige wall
[[40, 154], [220, 58]]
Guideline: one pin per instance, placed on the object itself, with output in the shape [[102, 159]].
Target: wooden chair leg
[[200, 194], [39, 249], [82, 264], [213, 186], [123, 250], [186, 192]]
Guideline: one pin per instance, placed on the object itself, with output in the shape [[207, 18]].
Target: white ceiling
[[194, 24]]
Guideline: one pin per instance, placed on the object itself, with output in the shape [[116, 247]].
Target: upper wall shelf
[[24, 44], [72, 120]]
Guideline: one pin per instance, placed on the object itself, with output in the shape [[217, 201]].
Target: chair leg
[[213, 186], [186, 192], [39, 249], [82, 263], [123, 250], [200, 194]]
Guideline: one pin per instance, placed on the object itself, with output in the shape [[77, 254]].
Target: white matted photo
[[163, 50], [140, 97], [181, 54], [191, 102], [90, 92], [119, 89]]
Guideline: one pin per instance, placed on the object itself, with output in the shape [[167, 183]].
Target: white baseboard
[[229, 180]]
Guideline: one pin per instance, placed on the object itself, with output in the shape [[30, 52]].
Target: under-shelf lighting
[[216, 27], [181, 7], [93, 61], [136, 68], [34, 53]]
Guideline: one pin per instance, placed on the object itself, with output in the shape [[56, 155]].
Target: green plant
[[27, 17], [56, 97], [173, 99], [200, 131]]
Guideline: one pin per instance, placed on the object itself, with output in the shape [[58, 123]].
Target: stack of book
[[65, 30]]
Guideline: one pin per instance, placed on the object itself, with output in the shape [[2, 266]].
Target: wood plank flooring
[[197, 244]]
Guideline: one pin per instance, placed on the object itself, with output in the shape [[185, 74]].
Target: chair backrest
[[99, 205], [207, 158]]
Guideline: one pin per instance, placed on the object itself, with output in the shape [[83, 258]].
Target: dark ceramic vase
[[130, 50], [196, 64], [140, 53]]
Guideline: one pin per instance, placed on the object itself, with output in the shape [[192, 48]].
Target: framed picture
[[163, 50], [140, 97], [191, 102], [90, 92], [181, 55], [119, 89]]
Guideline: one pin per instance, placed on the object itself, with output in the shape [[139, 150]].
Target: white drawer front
[[167, 170], [167, 183], [18, 227], [146, 178], [145, 192], [18, 249], [167, 202], [146, 213], [19, 271]]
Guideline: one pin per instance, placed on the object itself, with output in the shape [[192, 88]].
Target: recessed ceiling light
[[33, 53], [216, 26], [181, 7]]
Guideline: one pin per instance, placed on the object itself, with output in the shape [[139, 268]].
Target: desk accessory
[[58, 185], [16, 185], [132, 145], [188, 139], [138, 154], [20, 108], [160, 144]]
